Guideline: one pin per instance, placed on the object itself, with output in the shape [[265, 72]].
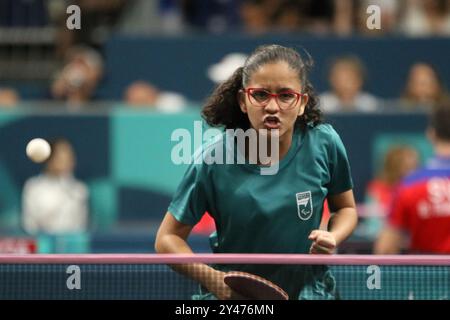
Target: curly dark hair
[[222, 107]]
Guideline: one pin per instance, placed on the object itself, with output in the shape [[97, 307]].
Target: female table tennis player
[[257, 213]]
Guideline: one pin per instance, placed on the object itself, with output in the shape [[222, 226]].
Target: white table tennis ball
[[38, 150]]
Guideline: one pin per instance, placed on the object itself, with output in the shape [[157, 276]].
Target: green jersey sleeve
[[189, 202], [340, 172]]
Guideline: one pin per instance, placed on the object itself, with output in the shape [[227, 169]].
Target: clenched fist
[[323, 242]]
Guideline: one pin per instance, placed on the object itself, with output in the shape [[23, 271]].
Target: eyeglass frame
[[274, 95]]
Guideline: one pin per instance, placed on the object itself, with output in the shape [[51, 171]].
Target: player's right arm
[[172, 238]]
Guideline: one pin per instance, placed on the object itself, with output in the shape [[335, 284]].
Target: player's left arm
[[342, 223], [391, 239]]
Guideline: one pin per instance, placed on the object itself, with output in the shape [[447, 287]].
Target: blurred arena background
[[113, 91]]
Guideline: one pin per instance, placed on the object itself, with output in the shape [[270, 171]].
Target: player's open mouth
[[272, 122]]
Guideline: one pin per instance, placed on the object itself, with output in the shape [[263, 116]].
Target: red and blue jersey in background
[[422, 207]]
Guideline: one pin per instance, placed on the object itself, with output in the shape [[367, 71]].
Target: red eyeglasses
[[285, 99]]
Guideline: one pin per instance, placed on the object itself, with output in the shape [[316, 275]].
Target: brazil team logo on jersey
[[304, 205]]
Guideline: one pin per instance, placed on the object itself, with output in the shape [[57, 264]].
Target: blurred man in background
[[346, 77], [54, 202], [421, 207], [77, 81]]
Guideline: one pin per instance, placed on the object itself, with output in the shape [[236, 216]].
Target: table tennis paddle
[[254, 287]]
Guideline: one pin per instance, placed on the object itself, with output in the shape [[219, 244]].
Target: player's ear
[[304, 102], [241, 100]]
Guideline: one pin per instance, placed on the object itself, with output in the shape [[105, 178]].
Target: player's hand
[[323, 242], [218, 288]]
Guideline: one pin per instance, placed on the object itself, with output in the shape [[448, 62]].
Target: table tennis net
[[151, 277]]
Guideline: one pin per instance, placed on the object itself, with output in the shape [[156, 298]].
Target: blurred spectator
[[256, 15], [142, 94], [77, 81], [424, 88], [288, 17], [398, 162], [343, 20], [8, 97], [54, 202], [346, 77], [421, 206], [426, 17]]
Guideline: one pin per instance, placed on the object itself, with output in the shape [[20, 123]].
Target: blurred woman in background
[[77, 81], [424, 88], [398, 162]]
